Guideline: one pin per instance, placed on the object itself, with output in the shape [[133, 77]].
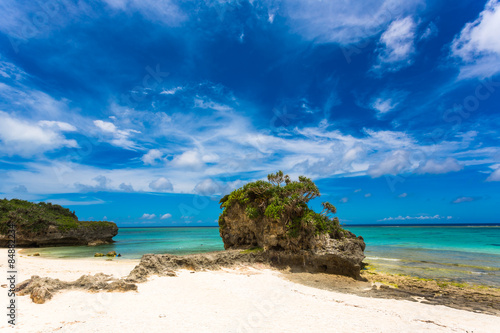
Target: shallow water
[[467, 254]]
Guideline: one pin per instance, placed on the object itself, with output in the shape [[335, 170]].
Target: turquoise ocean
[[464, 254]]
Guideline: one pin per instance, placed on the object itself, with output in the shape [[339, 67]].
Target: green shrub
[[283, 201]]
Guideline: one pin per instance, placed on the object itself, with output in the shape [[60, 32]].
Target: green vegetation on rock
[[284, 201], [33, 218]]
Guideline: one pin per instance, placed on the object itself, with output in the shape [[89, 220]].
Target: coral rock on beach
[[42, 289]]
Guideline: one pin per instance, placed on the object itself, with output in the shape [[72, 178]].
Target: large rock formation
[[277, 219], [45, 224]]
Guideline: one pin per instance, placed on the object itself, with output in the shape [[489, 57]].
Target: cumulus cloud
[[161, 184], [189, 159], [20, 189], [165, 216], [126, 187], [478, 46], [344, 200], [152, 157], [209, 187], [102, 185], [26, 138], [438, 167], [421, 217], [367, 195], [403, 195], [146, 216], [397, 45]]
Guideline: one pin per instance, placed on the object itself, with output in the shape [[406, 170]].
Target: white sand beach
[[248, 299]]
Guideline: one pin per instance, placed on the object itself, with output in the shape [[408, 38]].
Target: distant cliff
[[45, 224], [274, 217]]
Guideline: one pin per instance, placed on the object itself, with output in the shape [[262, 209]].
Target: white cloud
[[342, 21], [208, 187], [161, 184], [65, 202], [57, 125], [26, 138], [344, 200], [393, 164], [421, 217], [165, 216], [403, 195], [438, 167], [152, 156], [478, 45], [494, 176], [171, 91], [117, 137], [387, 101], [367, 195], [189, 159], [463, 199], [166, 12], [146, 216], [105, 126], [397, 45]]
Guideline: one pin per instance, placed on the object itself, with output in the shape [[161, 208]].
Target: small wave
[[387, 259]]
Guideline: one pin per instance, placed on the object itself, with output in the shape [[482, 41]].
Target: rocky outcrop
[[42, 289], [337, 252], [167, 264], [45, 224], [83, 233]]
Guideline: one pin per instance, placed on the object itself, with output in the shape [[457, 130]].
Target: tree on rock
[[278, 207]]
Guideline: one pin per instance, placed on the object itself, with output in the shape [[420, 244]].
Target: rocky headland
[[274, 217], [44, 224]]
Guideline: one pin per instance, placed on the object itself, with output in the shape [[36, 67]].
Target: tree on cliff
[[285, 204]]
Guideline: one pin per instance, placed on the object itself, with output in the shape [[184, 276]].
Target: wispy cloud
[[397, 45], [464, 199], [478, 45], [421, 217], [494, 176], [341, 21], [115, 136], [146, 216], [387, 101]]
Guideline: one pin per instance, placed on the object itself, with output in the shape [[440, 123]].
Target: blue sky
[[146, 112]]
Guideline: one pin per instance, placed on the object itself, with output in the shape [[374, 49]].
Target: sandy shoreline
[[246, 299]]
